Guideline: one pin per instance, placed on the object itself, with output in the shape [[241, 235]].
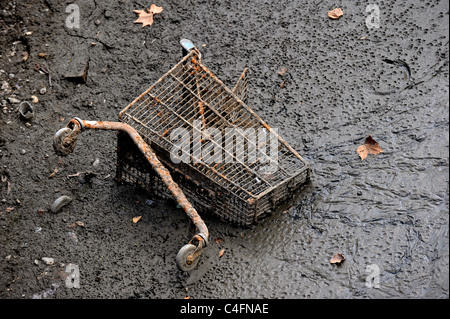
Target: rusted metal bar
[[78, 125]]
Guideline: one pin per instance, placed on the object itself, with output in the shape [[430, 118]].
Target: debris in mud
[[53, 173], [34, 99], [26, 110], [370, 146], [136, 219], [146, 18], [77, 223], [282, 71], [78, 72], [337, 259], [221, 252], [336, 13], [48, 260], [59, 203]]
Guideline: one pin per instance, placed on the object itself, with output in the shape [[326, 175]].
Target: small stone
[[43, 91], [59, 203], [36, 262], [5, 85], [23, 151], [13, 100], [48, 260]]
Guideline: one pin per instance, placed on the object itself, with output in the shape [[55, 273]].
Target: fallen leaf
[[136, 219], [219, 240], [370, 146], [9, 209], [79, 223], [337, 259], [146, 18], [221, 252], [155, 9], [336, 13]]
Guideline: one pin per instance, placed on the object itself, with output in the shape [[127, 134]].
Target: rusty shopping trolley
[[191, 138]]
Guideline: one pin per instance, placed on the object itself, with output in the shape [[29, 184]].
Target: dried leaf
[[136, 219], [221, 252], [370, 146], [337, 259], [336, 13], [219, 240], [79, 223], [146, 17], [155, 9], [9, 209]]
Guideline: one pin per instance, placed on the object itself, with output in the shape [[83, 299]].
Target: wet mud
[[387, 214]]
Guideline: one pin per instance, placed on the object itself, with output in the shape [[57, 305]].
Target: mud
[[388, 214]]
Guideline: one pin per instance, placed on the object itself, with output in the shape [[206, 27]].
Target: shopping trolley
[[191, 138]]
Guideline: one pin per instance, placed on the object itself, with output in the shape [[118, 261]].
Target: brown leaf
[[336, 13], [9, 209], [136, 219], [155, 9], [146, 18], [370, 146], [219, 240], [337, 259], [221, 252]]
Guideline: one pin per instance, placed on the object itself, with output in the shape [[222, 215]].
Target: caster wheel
[[61, 148], [185, 263]]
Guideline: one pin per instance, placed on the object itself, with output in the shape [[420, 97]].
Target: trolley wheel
[[61, 148], [183, 261]]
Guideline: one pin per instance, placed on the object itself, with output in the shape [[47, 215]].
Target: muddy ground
[[388, 214]]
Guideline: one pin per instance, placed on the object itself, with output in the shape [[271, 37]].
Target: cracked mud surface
[[343, 83]]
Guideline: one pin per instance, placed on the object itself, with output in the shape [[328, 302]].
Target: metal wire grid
[[191, 92]]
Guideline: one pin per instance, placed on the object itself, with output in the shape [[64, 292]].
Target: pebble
[[5, 85], [48, 260], [13, 100], [23, 151], [60, 202], [43, 91]]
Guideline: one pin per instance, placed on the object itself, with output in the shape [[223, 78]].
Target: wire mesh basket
[[242, 172]]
